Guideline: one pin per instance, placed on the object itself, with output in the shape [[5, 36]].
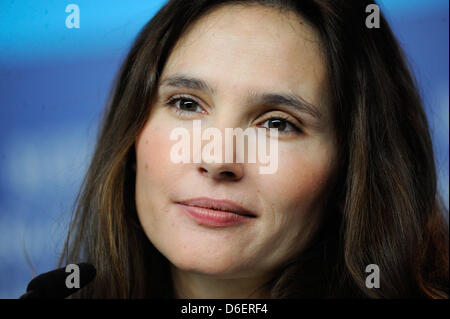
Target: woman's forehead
[[251, 33], [253, 48]]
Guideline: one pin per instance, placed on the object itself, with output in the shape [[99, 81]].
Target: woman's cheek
[[154, 151], [153, 168], [301, 176]]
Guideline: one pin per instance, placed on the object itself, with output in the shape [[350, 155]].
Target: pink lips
[[216, 213]]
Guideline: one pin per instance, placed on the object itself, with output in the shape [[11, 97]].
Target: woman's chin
[[223, 267]]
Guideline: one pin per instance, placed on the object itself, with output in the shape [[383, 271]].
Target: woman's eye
[[187, 106], [184, 105], [281, 124]]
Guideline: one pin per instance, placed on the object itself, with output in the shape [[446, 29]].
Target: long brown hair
[[384, 207]]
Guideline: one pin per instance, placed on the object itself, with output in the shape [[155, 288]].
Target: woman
[[355, 183]]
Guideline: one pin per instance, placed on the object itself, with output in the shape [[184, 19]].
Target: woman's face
[[240, 53]]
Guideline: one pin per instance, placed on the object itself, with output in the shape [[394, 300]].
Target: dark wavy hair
[[384, 208]]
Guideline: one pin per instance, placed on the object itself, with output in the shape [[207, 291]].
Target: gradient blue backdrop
[[54, 83]]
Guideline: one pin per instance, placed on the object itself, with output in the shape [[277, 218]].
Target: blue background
[[54, 82]]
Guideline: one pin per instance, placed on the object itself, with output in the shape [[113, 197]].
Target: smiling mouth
[[215, 218], [216, 213], [225, 206]]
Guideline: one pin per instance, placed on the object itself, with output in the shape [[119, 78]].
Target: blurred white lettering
[[73, 19], [73, 280], [373, 280], [373, 19]]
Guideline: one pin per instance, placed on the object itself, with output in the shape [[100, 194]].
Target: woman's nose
[[228, 165], [222, 171]]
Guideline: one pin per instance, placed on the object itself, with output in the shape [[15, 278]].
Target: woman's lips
[[217, 204], [214, 218], [216, 213]]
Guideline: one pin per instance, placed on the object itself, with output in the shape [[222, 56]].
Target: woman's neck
[[189, 285]]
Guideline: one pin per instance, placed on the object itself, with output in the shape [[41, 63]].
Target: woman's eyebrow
[[187, 82], [295, 102], [292, 101]]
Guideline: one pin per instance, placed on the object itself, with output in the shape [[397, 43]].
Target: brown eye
[[277, 123], [187, 105], [281, 124], [184, 105]]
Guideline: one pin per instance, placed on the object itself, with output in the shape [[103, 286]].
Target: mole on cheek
[[146, 166]]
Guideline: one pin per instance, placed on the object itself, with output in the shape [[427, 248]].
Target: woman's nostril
[[229, 174]]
